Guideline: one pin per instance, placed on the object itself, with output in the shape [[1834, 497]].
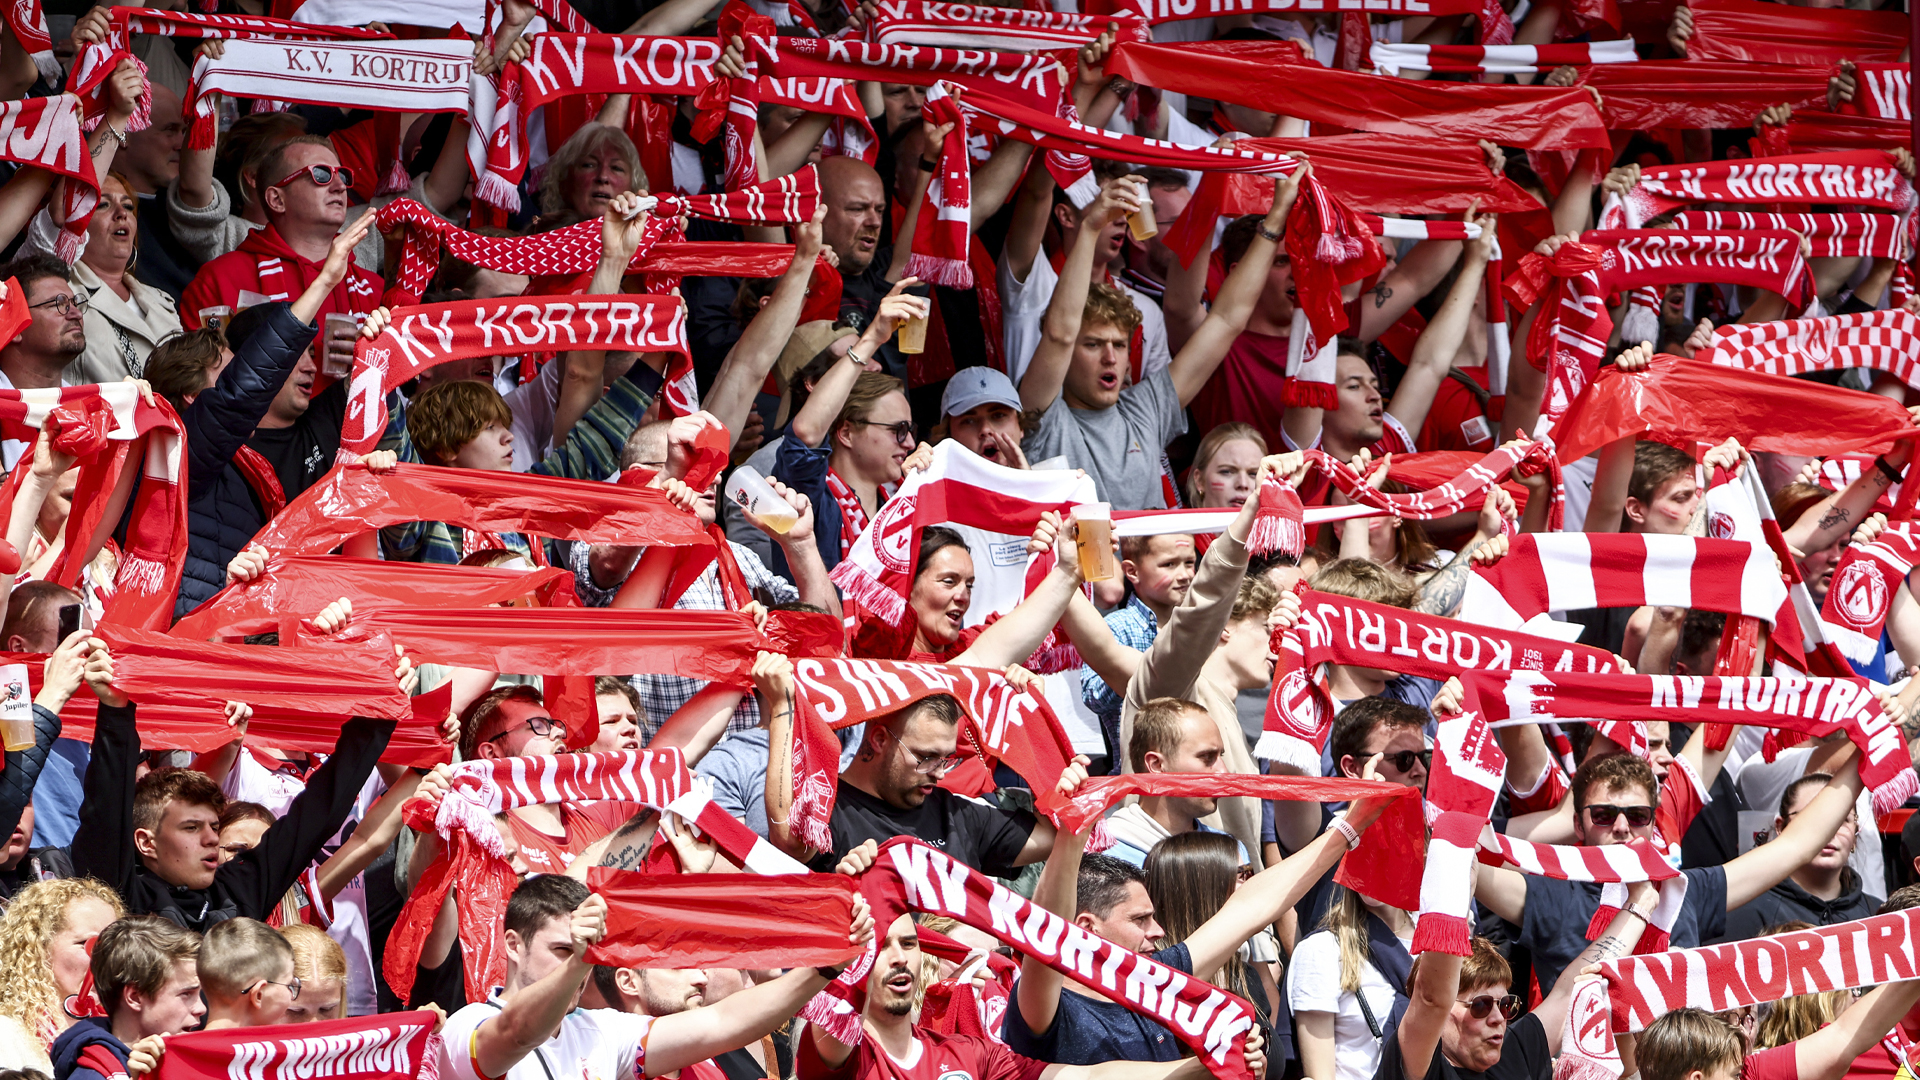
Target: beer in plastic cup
[[1140, 223], [16, 708], [1093, 534], [913, 332], [334, 363], [749, 491]]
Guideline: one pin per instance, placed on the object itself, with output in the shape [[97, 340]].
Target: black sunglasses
[[1479, 1007], [1604, 815], [1403, 760]]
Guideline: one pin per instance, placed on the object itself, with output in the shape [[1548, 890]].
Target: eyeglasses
[[541, 726], [927, 764], [902, 431], [321, 175], [1479, 1007], [64, 304], [1604, 815], [1403, 760], [293, 988]]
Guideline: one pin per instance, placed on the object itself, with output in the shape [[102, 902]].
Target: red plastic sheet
[[303, 584], [1682, 401], [350, 501], [725, 920], [1700, 93], [716, 646], [1779, 34], [1271, 76], [348, 680], [1813, 131]]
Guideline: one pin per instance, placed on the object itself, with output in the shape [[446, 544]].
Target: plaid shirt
[[1134, 626], [591, 452], [662, 695]]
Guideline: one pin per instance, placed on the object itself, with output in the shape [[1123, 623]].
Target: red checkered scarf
[[1392, 58], [1877, 340], [105, 426], [1863, 588], [945, 226], [1334, 629], [45, 132], [1569, 336], [474, 856], [1862, 177], [1001, 724], [576, 249], [970, 26]]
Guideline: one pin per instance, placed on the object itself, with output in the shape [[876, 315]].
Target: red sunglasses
[[321, 175]]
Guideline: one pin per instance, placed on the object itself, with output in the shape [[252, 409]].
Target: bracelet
[[929, 166], [1351, 834], [1892, 474], [827, 973], [1639, 912], [1261, 228]]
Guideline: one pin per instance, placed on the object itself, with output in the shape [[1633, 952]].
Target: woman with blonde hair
[[590, 168], [321, 966], [44, 940], [1347, 986], [1226, 467]]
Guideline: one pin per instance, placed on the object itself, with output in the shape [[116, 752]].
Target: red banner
[[388, 1046]]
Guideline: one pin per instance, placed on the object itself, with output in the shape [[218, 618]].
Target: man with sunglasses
[[305, 192], [1615, 800]]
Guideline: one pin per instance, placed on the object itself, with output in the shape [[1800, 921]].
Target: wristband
[[828, 973], [929, 166], [1351, 834], [1261, 228], [1639, 912], [1892, 474]]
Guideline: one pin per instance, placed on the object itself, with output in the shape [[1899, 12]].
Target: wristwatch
[[1261, 228]]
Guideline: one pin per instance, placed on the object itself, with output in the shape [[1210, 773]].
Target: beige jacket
[[120, 333], [1171, 668]]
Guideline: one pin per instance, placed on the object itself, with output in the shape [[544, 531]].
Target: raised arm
[[531, 1016], [1037, 994], [1810, 830], [1440, 342], [814, 421], [753, 356], [1203, 352], [1060, 325], [1267, 896], [773, 679], [1013, 637], [1029, 225], [1621, 935], [933, 135], [1838, 514], [1429, 1002], [1828, 1053]]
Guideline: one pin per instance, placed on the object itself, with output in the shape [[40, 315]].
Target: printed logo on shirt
[[1475, 431], [1134, 447], [950, 1073], [1010, 553], [316, 462]]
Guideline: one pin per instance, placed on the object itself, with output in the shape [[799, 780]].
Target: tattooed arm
[[625, 848], [1441, 593], [1835, 516], [1622, 934]]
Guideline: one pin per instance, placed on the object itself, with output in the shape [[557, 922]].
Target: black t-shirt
[[1089, 1030], [984, 837], [1523, 1056], [303, 453]]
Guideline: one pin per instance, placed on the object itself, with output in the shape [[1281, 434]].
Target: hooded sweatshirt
[[89, 1051], [265, 264]]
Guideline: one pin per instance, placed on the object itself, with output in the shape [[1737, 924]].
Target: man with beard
[[53, 336], [551, 922], [898, 1049]]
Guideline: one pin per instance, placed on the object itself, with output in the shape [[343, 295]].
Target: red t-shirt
[[941, 1057], [1246, 387], [1456, 421], [1878, 1063], [584, 823]]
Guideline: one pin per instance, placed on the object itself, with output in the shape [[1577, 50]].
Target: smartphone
[[69, 621]]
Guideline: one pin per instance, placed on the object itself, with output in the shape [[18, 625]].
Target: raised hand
[[99, 674]]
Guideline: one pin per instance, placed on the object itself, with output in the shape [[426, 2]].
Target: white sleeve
[[250, 781], [625, 1038], [1313, 979], [456, 1042]]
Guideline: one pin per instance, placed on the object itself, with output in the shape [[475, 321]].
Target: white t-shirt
[[593, 1044], [1313, 985], [1023, 304]]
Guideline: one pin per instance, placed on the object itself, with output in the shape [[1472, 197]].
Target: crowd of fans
[[1101, 383]]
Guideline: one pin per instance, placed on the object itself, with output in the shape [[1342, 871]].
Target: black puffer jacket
[[222, 511]]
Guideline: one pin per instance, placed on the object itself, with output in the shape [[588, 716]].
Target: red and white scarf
[[1816, 706], [1455, 494], [944, 230], [981, 26], [423, 337], [565, 65], [388, 1046], [29, 25], [474, 856], [1002, 724], [1863, 177], [1569, 336], [1334, 629], [990, 505], [45, 132], [1393, 58], [732, 103], [1033, 80], [1613, 867], [911, 876], [789, 200], [1872, 236], [1468, 771], [1863, 587], [119, 439], [1877, 340], [391, 76], [853, 512], [1881, 91]]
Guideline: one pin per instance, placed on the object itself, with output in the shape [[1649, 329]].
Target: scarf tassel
[[494, 190], [861, 586], [951, 273], [1278, 524]]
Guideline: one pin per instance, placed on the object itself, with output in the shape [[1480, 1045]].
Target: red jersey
[[937, 1057], [1881, 1062], [583, 824], [1457, 421], [1246, 387], [264, 264]]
